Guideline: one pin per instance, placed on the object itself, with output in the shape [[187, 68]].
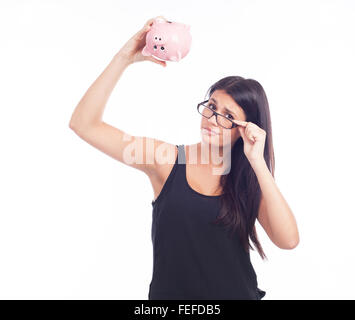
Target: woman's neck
[[210, 157]]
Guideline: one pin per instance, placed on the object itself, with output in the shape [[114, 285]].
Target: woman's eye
[[212, 106]]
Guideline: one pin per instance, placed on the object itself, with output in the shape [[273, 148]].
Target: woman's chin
[[220, 140], [213, 140]]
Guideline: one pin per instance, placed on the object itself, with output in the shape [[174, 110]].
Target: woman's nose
[[213, 120]]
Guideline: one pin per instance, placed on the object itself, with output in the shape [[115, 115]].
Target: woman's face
[[224, 104]]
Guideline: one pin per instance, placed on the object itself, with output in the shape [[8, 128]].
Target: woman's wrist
[[122, 57]]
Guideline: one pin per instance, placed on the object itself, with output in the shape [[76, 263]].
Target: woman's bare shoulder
[[164, 157]]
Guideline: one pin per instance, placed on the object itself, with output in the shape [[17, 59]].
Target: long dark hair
[[241, 195]]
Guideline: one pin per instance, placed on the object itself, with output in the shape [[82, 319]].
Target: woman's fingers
[[150, 21], [141, 33], [162, 63], [241, 123]]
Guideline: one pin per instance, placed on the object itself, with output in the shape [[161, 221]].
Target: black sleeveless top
[[192, 257]]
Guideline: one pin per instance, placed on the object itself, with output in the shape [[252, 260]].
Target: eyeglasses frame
[[215, 114]]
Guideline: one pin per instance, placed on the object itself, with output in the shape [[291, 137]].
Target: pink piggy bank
[[166, 40]]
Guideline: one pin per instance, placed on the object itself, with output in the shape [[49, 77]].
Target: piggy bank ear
[[145, 51]]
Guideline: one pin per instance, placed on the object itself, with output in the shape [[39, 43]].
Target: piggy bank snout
[[161, 48]]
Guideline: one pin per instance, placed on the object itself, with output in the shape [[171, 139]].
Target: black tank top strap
[[181, 154]]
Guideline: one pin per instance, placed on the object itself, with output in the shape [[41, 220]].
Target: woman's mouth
[[209, 132]]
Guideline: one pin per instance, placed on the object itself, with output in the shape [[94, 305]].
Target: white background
[[76, 224]]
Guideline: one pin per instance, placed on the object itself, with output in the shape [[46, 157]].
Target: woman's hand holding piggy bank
[[132, 50], [167, 41]]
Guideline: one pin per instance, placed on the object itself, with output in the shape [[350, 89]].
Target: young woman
[[204, 211]]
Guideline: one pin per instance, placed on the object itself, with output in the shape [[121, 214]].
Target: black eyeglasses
[[207, 112]]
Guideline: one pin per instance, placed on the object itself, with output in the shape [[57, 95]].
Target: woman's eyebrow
[[215, 101]]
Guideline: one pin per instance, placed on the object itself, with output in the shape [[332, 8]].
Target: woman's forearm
[[90, 108], [280, 217]]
